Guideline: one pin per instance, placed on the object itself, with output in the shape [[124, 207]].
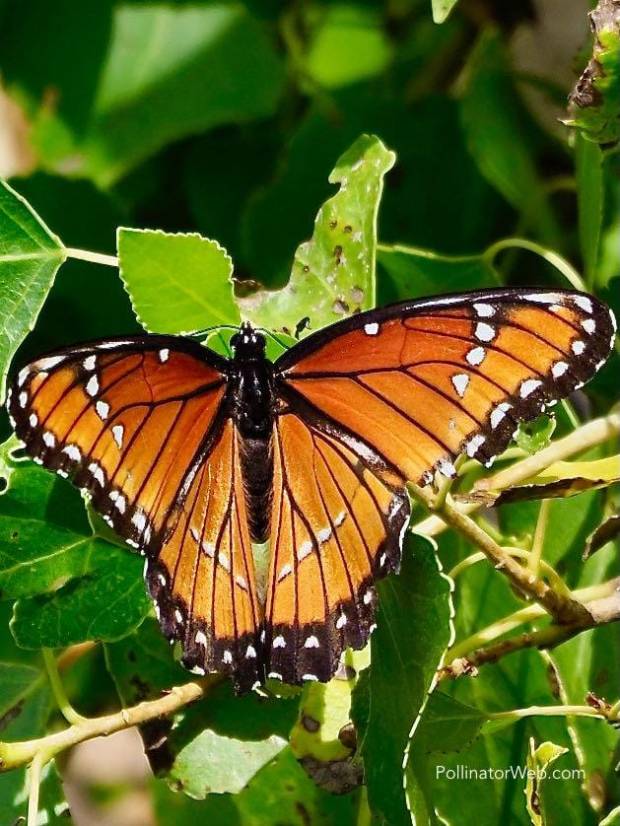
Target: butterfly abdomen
[[257, 470]]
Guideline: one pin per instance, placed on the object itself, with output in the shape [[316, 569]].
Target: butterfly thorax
[[252, 399]]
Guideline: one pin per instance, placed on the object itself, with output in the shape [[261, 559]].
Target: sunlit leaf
[[177, 282], [30, 255], [441, 9]]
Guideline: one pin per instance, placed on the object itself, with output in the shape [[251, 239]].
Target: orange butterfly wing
[[336, 527], [141, 425], [422, 382], [390, 396]]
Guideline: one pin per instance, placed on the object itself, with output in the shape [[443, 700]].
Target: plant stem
[[13, 755], [58, 689], [538, 541], [561, 264], [34, 783], [564, 609], [92, 257], [547, 711]]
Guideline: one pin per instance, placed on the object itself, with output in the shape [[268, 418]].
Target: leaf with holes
[[177, 282], [333, 274], [30, 255]]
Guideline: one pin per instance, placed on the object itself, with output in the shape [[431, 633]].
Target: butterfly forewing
[[422, 382], [126, 420]]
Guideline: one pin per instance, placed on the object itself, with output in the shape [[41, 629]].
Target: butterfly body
[[253, 402], [192, 457]]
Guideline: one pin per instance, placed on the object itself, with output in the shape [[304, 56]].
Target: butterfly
[[269, 497]]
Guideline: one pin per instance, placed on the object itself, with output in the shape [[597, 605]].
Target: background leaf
[[29, 258]]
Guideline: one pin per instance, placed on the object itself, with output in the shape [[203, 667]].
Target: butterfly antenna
[[207, 330], [276, 338]]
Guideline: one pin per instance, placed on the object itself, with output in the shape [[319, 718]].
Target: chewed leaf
[[559, 480], [334, 273], [323, 739], [177, 282], [538, 759], [594, 103], [30, 255], [533, 436], [606, 532]]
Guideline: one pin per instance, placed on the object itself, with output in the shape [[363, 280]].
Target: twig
[[58, 689], [562, 608], [13, 755], [34, 783], [602, 610]]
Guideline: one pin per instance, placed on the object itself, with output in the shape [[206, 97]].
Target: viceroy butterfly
[[192, 457]]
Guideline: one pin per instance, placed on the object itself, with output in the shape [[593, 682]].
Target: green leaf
[[334, 273], [201, 66], [71, 585], [538, 760], [498, 137], [612, 819], [413, 631], [349, 45], [407, 272], [25, 706], [594, 103], [447, 725], [441, 9], [323, 739], [106, 604], [30, 255], [590, 199], [177, 282]]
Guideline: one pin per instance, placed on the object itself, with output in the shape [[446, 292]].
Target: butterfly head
[[248, 344]]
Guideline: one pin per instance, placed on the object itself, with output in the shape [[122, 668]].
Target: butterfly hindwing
[[337, 524], [424, 381], [202, 580]]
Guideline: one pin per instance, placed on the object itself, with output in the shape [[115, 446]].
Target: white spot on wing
[[279, 642], [89, 363], [311, 642], [484, 331], [476, 356], [117, 432], [446, 468], [22, 375], [22, 398], [578, 347], [341, 621], [528, 387], [250, 652], [484, 310], [324, 534], [460, 382], [473, 444], [73, 452], [200, 638], [371, 329], [33, 421], [544, 298], [589, 325], [102, 408], [367, 597], [304, 549], [499, 414], [310, 678], [49, 439], [227, 657], [164, 355], [558, 369], [92, 386], [583, 302], [48, 363]]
